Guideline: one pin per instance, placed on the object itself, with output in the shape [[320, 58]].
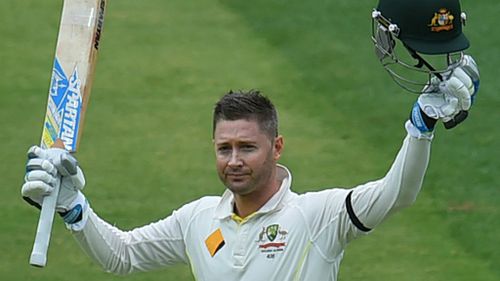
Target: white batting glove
[[45, 167], [448, 100]]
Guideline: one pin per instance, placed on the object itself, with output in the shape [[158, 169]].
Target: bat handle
[[38, 256], [41, 245]]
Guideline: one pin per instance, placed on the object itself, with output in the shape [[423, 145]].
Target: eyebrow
[[237, 142]]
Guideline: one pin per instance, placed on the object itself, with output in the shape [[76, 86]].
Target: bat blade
[[72, 74]]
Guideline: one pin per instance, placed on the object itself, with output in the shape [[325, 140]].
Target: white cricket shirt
[[292, 237]]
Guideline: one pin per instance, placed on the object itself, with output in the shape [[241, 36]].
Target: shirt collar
[[225, 207]]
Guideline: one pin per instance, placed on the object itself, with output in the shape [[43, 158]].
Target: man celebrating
[[259, 228]]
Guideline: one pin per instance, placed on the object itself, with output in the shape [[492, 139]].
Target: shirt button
[[238, 260]]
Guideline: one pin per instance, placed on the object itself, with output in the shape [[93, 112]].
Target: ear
[[278, 147]]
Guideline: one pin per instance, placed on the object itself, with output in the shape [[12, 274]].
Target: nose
[[234, 160]]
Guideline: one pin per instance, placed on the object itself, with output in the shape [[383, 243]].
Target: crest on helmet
[[442, 20]]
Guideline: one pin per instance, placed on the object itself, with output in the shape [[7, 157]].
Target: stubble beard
[[251, 182]]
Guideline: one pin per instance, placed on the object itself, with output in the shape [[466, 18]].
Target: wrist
[[416, 133], [75, 209], [421, 121]]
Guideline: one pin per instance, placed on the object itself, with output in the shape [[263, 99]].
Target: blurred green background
[[147, 146]]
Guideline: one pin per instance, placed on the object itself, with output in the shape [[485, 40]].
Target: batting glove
[[448, 100], [45, 167]]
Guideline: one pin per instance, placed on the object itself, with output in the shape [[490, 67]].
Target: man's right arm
[[152, 246], [117, 251]]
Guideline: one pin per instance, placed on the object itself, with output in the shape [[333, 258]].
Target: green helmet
[[428, 27]]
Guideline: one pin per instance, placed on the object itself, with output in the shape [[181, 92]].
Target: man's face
[[246, 157]]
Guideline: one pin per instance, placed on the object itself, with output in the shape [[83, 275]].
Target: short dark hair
[[251, 105]]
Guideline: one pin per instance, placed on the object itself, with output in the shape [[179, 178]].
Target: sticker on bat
[[64, 108]]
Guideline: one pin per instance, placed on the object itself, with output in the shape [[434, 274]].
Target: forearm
[[104, 244], [123, 252], [374, 201], [407, 173]]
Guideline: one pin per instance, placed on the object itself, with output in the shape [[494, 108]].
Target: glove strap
[[476, 88], [420, 120], [76, 209], [32, 203], [74, 215], [457, 119]]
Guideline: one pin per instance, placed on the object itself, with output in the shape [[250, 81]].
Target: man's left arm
[[449, 101]]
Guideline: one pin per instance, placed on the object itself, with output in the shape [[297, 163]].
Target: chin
[[240, 189]]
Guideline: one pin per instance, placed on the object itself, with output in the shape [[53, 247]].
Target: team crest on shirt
[[272, 240], [442, 20]]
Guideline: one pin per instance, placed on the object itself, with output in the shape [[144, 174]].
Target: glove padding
[[45, 167], [447, 100]]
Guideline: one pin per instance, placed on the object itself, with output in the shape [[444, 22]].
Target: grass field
[[147, 147]]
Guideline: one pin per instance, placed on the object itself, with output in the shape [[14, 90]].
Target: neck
[[245, 205]]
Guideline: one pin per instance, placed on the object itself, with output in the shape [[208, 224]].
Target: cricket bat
[[75, 57]]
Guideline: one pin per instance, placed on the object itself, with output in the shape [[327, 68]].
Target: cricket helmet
[[423, 27]]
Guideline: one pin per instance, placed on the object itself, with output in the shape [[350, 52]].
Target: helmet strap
[[422, 62]]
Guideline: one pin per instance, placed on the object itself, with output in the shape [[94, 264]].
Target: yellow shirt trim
[[241, 220]]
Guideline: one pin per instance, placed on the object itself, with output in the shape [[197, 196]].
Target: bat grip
[[41, 245], [38, 256]]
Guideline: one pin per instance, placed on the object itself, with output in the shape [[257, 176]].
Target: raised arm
[[117, 251], [122, 252], [448, 100], [368, 204]]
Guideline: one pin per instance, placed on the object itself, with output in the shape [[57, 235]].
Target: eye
[[224, 149], [248, 147]]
